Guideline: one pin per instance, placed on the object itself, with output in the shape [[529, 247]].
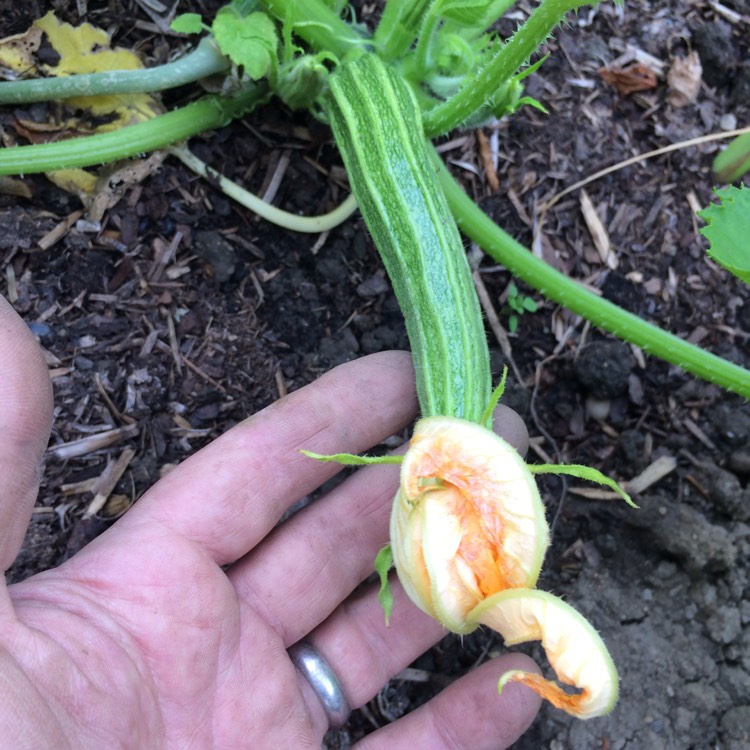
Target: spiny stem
[[318, 25], [306, 224], [481, 88], [602, 313], [164, 130], [399, 26], [205, 60]]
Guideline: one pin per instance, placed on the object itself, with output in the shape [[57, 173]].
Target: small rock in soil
[[725, 492], [739, 461], [373, 286], [732, 424], [724, 626], [713, 42], [603, 367], [632, 443], [683, 532], [735, 728], [211, 247]]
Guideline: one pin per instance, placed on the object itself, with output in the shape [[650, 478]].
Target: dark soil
[[182, 313]]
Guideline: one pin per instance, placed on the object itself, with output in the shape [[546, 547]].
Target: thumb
[[25, 420], [509, 426]]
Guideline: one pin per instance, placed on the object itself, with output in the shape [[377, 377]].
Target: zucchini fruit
[[377, 126]]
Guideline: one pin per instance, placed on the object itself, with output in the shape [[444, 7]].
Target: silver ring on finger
[[317, 671]]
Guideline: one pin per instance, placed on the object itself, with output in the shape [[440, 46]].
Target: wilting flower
[[468, 535]]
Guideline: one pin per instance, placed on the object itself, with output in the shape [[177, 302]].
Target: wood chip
[[485, 153], [653, 473], [598, 231], [278, 175], [59, 231], [92, 443], [698, 433], [280, 383], [107, 481]]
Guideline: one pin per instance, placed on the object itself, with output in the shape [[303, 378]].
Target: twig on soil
[[201, 373], [652, 474], [634, 160], [730, 15], [107, 481], [494, 323], [91, 443]]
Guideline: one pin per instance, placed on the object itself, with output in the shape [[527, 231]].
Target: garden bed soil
[[184, 313]]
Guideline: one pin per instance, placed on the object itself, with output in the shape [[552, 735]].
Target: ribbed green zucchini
[[378, 128]]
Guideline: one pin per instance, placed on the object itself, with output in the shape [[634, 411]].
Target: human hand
[[142, 640]]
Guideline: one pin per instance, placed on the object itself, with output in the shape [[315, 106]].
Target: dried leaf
[[684, 79], [17, 53], [638, 77], [76, 181]]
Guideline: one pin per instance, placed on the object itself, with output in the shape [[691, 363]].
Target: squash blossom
[[468, 536]]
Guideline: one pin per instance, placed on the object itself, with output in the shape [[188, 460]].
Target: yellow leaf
[[83, 49], [86, 49], [17, 53], [76, 181]]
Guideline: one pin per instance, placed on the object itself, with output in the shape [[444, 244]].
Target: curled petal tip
[[582, 705], [574, 650]]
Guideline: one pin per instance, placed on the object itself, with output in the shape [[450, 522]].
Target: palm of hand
[[142, 640]]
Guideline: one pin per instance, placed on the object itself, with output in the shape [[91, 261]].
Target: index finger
[[230, 494]]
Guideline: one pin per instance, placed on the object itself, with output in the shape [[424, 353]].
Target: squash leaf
[[248, 41], [187, 23], [728, 230]]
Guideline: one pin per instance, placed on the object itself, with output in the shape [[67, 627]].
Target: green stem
[[399, 26], [424, 45], [305, 224], [164, 130], [482, 86], [559, 288], [318, 25], [205, 60]]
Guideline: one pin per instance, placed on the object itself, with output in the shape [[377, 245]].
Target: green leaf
[[383, 563], [477, 13], [187, 23], [337, 6], [248, 41], [734, 161], [582, 472], [497, 394], [728, 230], [531, 102], [349, 459]]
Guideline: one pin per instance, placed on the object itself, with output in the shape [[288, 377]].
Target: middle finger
[[304, 569], [310, 564]]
